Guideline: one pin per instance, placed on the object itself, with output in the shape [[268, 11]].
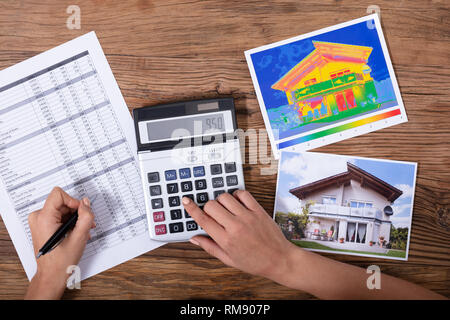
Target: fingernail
[[192, 240], [186, 200], [86, 202]]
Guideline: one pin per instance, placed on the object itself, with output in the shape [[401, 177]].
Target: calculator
[[186, 149]]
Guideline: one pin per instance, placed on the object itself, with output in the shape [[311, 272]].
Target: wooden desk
[[163, 51]]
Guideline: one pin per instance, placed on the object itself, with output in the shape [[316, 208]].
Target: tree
[[399, 238]]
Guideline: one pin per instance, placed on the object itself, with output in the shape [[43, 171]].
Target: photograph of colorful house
[[331, 83], [311, 87]]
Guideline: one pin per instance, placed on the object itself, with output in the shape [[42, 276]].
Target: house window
[[360, 204], [328, 200], [356, 232]]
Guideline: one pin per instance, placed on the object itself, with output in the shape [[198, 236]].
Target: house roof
[[323, 53], [353, 172]]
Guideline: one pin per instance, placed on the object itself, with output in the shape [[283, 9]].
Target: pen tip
[[38, 255]]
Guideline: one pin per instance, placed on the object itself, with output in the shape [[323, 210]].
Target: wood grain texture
[[163, 51]]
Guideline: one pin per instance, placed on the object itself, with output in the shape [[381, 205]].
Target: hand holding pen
[[52, 267]]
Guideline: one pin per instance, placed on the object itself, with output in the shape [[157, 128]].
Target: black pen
[[58, 235]]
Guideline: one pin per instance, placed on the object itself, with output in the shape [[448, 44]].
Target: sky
[[297, 169], [270, 65]]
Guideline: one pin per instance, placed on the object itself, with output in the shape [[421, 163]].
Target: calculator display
[[187, 126]]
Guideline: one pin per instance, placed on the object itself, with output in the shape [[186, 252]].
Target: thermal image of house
[[332, 80], [352, 208]]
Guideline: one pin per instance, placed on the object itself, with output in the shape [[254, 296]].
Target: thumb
[[85, 221], [212, 248]]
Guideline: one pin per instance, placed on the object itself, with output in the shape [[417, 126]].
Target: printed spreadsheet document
[[64, 122]]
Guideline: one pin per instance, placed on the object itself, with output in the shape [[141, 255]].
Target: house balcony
[[336, 210]]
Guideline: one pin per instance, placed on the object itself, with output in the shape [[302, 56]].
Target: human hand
[[243, 235], [51, 276]]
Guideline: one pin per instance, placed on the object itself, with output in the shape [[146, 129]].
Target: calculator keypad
[[200, 183]]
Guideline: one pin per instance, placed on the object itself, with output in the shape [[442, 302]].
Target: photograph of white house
[[352, 210]]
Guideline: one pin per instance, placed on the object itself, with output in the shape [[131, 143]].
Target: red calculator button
[[160, 229], [158, 216]]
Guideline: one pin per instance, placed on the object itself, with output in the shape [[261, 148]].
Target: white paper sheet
[[64, 122]]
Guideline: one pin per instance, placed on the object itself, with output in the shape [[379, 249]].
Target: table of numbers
[[58, 128]]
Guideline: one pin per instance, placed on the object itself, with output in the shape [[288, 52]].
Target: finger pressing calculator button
[[190, 196], [184, 173], [158, 216], [200, 184], [231, 191], [191, 225], [172, 188], [216, 169], [176, 227], [218, 193], [232, 180], [175, 214], [171, 175], [217, 182], [186, 186], [157, 203], [174, 201], [199, 171], [160, 229], [202, 197], [187, 215], [230, 167], [153, 177], [155, 190]]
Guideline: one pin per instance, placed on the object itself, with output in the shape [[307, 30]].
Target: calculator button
[[199, 171], [175, 214], [231, 191], [200, 184], [160, 229], [230, 167], [232, 180], [174, 201], [158, 216], [155, 190], [191, 225], [184, 173], [202, 197], [176, 227], [218, 193], [216, 169], [186, 186], [171, 175], [217, 182], [153, 177], [186, 214], [157, 203], [190, 196], [172, 188]]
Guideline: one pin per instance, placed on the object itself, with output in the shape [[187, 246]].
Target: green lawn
[[315, 245]]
